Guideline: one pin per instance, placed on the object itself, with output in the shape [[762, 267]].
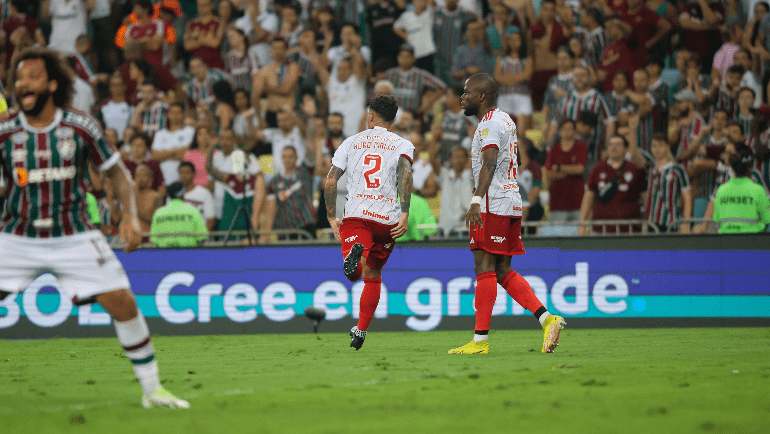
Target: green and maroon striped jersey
[[46, 170], [664, 189]]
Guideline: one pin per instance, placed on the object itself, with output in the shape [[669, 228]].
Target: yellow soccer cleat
[[551, 329], [480, 347]]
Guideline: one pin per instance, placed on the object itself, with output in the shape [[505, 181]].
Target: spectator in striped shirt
[[559, 86], [743, 58], [290, 196], [592, 20], [473, 57], [291, 27], [668, 185], [452, 129], [410, 83], [687, 126], [617, 98], [640, 104], [743, 115], [659, 92], [199, 88], [726, 95], [151, 114], [448, 30], [514, 72], [238, 64]]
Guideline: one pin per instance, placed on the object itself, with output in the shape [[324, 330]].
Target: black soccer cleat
[[350, 266], [357, 338]]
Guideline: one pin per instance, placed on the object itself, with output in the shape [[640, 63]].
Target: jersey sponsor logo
[[19, 155], [375, 215], [66, 148], [496, 239], [35, 176], [514, 187], [351, 239], [375, 197], [44, 154]]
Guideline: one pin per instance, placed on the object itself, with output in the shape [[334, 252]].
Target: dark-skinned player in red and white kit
[[45, 151], [494, 217], [379, 167]]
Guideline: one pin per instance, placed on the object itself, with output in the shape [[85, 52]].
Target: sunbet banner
[[423, 288]]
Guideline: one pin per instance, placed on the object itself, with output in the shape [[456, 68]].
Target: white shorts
[[515, 103], [83, 264]]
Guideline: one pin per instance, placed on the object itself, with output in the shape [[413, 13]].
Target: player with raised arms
[[494, 217], [379, 166], [45, 152]]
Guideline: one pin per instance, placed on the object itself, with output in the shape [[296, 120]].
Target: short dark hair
[[349, 24], [753, 93], [335, 114], [764, 5], [737, 124], [589, 118], [736, 69], [565, 122], [177, 104], [144, 4], [385, 106], [719, 110], [654, 60], [625, 142], [622, 72], [56, 69], [141, 135], [661, 137], [187, 164], [742, 161]]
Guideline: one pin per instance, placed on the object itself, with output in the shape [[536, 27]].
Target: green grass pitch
[[598, 381]]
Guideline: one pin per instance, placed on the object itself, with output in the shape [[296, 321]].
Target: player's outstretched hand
[[130, 233], [401, 227], [473, 217], [335, 224]]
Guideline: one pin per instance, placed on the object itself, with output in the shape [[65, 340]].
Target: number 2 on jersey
[[373, 164]]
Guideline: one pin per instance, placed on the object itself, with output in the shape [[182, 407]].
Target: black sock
[[540, 311], [482, 332]]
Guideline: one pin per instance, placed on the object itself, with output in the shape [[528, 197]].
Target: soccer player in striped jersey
[[378, 164], [668, 184], [494, 217], [45, 151]]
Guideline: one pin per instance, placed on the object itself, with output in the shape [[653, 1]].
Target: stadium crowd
[[626, 109]]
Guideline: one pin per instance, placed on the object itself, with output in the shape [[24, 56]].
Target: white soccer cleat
[[161, 397]]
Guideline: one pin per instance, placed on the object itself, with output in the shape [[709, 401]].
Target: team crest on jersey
[[64, 133], [602, 175], [485, 132], [20, 137], [66, 148]]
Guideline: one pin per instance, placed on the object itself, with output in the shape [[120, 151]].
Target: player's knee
[[501, 271], [121, 304]]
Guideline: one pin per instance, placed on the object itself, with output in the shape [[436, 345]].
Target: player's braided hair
[[56, 69], [385, 106]]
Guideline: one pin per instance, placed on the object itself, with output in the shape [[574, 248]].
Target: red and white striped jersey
[[46, 173], [498, 130], [370, 159]]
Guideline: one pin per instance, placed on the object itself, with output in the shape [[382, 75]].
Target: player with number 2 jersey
[[379, 167]]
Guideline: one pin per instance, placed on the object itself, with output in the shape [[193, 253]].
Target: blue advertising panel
[[421, 286]]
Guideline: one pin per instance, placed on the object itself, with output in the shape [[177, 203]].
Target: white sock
[[543, 317], [479, 338], [134, 336]]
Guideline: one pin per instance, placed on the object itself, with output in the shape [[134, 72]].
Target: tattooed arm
[[405, 195], [488, 164], [330, 197]]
